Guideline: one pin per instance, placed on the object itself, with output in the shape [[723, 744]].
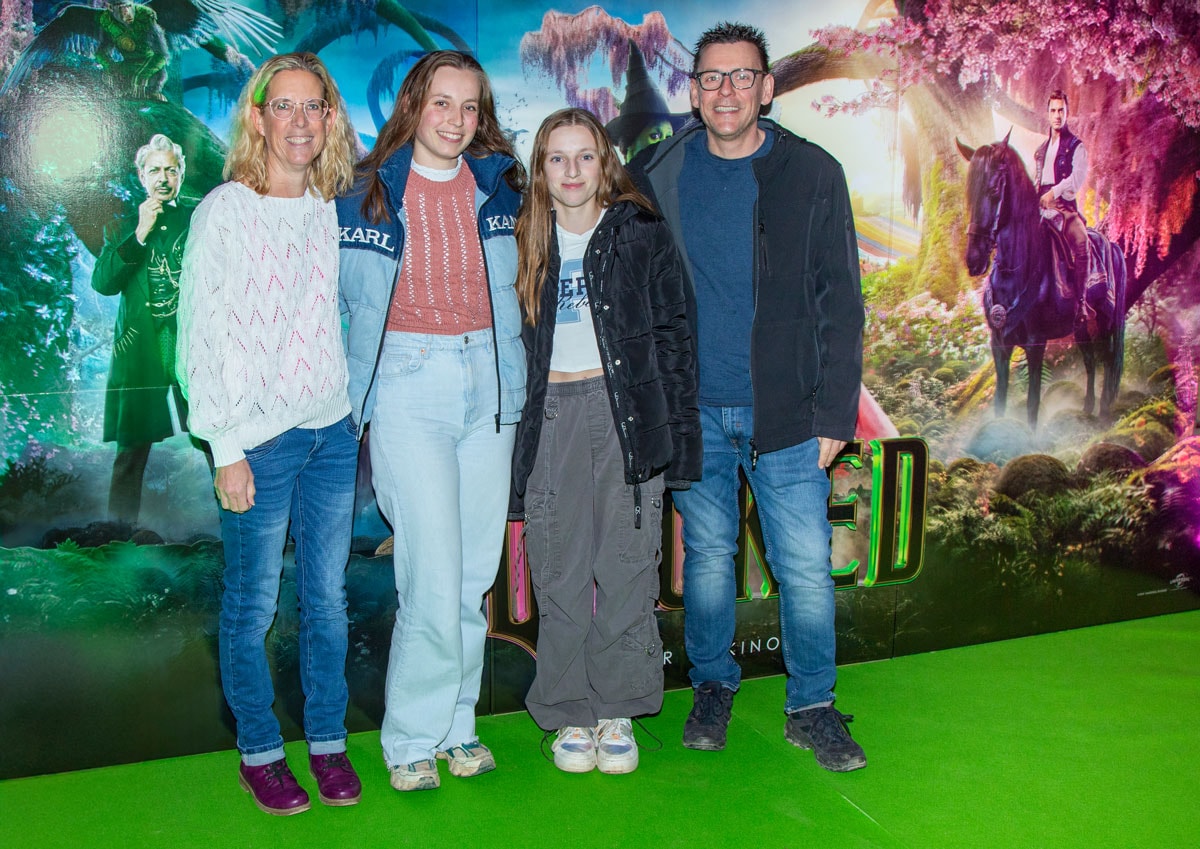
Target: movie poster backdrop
[[969, 508]]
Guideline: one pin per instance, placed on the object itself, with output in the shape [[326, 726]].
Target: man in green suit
[[140, 261]]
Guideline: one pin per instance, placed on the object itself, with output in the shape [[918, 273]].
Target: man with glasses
[[762, 219], [141, 262]]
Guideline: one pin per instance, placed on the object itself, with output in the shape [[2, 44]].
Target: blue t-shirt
[[716, 200]]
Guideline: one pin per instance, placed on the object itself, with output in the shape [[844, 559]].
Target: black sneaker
[[706, 724], [823, 729]]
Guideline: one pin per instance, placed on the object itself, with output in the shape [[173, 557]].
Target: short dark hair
[[1059, 94], [730, 32]]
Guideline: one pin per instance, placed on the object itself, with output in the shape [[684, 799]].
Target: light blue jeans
[[306, 478], [440, 467], [792, 494]]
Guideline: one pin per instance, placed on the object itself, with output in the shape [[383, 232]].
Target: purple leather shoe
[[337, 781], [274, 788]]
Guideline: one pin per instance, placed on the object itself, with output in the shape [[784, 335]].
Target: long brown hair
[[534, 229], [332, 172], [401, 127]]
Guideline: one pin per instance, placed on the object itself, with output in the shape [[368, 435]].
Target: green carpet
[[1083, 738]]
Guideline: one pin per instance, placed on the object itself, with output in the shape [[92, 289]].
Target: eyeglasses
[[282, 108], [738, 78]]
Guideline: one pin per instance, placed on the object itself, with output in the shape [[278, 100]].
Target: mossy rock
[[1174, 483], [1061, 395], [1162, 382], [999, 440], [962, 370], [1067, 427], [1128, 401], [1151, 440], [965, 467], [1039, 473], [1108, 458], [908, 427], [945, 375], [1158, 410]]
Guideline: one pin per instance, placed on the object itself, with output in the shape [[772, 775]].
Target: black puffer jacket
[[638, 303]]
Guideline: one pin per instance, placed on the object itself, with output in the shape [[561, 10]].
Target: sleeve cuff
[[225, 451]]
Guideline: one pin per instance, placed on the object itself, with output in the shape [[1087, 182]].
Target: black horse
[[1024, 302]]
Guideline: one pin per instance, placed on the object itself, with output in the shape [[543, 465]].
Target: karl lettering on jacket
[[371, 236]]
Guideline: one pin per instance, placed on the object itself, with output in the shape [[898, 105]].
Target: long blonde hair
[[332, 172], [534, 229], [401, 127]]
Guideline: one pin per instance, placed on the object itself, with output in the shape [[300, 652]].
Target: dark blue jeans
[[305, 478]]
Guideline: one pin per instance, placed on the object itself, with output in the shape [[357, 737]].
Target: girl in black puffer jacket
[[610, 420]]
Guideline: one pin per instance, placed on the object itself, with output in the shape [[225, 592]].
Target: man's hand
[[830, 448], [148, 211], [235, 486], [1047, 200]]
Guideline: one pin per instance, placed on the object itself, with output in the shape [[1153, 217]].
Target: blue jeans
[[792, 494], [440, 467], [305, 477]]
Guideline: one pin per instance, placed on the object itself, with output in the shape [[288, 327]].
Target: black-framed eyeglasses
[[739, 78], [283, 108]]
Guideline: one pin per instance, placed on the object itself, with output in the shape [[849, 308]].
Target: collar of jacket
[[618, 213], [488, 172], [1065, 136], [662, 150]]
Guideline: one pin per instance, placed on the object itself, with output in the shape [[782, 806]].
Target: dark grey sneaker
[[706, 724], [824, 730]]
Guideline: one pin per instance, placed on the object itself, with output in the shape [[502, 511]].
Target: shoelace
[[331, 762], [542, 746], [832, 725], [709, 706], [649, 734], [277, 772]]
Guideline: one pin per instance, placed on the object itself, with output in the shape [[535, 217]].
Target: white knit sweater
[[260, 340]]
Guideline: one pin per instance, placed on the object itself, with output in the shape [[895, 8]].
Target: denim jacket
[[371, 255]]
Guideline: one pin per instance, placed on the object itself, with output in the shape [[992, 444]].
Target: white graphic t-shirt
[[575, 347]]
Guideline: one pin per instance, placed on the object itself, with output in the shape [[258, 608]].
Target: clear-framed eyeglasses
[[283, 108], [739, 78]]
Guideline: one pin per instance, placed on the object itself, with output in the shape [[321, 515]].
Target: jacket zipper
[[487, 277], [760, 248]]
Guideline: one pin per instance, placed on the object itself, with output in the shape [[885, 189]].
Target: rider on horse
[[1060, 169]]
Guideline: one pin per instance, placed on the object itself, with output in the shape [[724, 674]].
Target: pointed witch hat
[[643, 104]]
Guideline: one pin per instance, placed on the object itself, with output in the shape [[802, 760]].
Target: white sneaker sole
[[574, 762], [617, 764]]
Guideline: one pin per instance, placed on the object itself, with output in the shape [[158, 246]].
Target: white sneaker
[[616, 750], [574, 749], [418, 775]]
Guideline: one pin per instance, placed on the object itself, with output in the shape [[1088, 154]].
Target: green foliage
[[1144, 355], [943, 272], [1033, 539], [36, 309], [888, 287], [119, 585], [920, 332], [28, 487]]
